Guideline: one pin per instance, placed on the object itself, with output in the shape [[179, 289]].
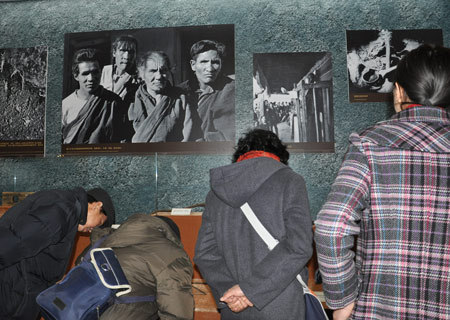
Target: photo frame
[[23, 74], [373, 55], [153, 124], [293, 97]]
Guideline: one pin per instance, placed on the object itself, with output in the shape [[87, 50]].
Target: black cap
[[101, 195]]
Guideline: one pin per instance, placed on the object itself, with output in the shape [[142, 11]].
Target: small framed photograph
[[293, 97], [373, 55], [23, 95]]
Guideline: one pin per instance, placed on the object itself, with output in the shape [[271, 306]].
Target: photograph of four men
[[148, 89]]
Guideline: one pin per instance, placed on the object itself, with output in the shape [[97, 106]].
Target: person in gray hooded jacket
[[247, 280]]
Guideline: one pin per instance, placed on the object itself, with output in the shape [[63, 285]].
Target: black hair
[[173, 226], [127, 42], [91, 199], [207, 45], [83, 55], [261, 140], [424, 74]]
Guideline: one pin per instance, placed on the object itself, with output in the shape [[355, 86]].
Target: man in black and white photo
[[212, 94], [121, 76], [90, 114], [160, 112]]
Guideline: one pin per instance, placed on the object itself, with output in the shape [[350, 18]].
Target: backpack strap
[[120, 299], [265, 235], [134, 299], [87, 255]]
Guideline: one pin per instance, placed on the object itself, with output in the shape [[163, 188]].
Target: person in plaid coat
[[392, 193]]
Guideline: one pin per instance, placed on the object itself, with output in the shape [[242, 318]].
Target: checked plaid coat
[[392, 192]]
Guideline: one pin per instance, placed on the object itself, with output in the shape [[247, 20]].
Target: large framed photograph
[[23, 75], [167, 90], [373, 55], [293, 97]]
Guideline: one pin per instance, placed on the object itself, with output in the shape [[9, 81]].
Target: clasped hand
[[236, 299]]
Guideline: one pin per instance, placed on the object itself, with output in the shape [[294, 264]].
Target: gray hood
[[234, 184]]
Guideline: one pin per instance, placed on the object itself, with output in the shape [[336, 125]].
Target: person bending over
[[37, 236], [152, 257]]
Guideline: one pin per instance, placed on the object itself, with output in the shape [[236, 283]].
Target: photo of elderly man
[[160, 112]]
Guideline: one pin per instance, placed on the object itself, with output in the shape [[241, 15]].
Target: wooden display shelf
[[3, 209], [11, 198], [205, 306]]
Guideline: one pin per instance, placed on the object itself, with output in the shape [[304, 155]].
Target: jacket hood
[[138, 228], [234, 184], [425, 129]]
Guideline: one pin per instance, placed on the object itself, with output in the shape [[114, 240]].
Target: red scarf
[[418, 105], [257, 154], [412, 106]]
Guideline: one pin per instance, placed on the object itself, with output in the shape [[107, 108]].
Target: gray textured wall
[[260, 26]]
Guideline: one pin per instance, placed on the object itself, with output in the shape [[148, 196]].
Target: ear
[[193, 65], [399, 96], [96, 204], [140, 71]]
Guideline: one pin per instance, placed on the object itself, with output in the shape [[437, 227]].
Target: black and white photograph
[[373, 55], [23, 78], [168, 90], [293, 97]]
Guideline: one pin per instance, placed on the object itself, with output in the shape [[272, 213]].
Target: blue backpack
[[88, 289]]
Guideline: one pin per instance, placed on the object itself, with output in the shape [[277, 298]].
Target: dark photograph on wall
[[373, 55], [165, 90], [23, 78], [293, 97]]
